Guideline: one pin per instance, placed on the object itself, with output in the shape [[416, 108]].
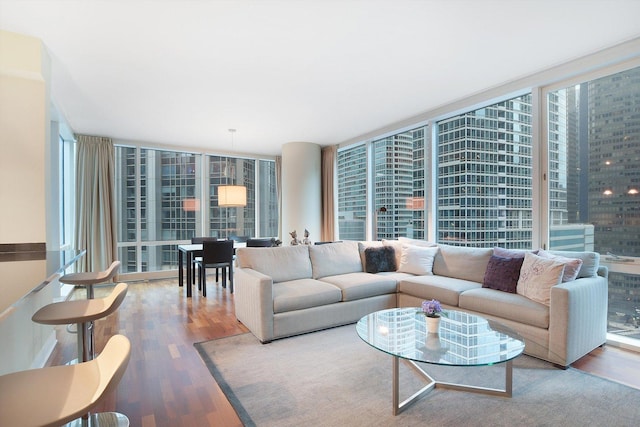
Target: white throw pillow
[[416, 242], [571, 265], [417, 259], [537, 276]]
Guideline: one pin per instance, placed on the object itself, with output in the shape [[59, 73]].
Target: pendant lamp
[[232, 196]]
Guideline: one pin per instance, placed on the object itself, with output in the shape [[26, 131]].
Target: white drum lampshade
[[232, 196]]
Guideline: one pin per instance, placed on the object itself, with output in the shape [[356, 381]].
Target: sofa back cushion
[[335, 258], [417, 259], [280, 263], [590, 261], [462, 262]]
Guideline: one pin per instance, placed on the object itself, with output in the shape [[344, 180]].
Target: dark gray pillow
[[502, 273], [380, 259]]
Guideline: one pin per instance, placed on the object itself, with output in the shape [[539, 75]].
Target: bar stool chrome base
[[101, 419]]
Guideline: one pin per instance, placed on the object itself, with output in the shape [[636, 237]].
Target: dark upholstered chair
[[218, 254]]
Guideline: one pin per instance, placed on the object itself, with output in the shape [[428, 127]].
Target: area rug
[[333, 378]]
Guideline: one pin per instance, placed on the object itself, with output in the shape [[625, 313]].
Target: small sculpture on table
[[294, 238], [306, 240]]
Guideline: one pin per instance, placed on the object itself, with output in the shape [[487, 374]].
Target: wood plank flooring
[[167, 384]]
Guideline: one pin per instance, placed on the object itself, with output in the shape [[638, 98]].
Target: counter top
[[23, 273]]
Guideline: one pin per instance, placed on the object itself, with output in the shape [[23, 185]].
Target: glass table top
[[463, 339]]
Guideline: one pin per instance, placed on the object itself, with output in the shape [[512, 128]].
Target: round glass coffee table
[[463, 339]]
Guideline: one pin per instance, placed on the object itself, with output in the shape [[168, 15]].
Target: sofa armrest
[[577, 318], [253, 299]]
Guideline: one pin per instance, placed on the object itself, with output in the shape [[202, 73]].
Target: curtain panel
[[328, 165], [95, 207]]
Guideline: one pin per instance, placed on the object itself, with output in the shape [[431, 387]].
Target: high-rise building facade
[[484, 188]]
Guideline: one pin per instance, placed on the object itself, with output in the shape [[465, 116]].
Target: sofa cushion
[[280, 263], [511, 253], [397, 246], [416, 242], [571, 265], [445, 289], [303, 293], [356, 286], [380, 259], [590, 261], [506, 306], [537, 276], [417, 259], [335, 258], [502, 273], [462, 262]]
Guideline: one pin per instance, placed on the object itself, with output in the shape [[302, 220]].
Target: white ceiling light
[[232, 196]]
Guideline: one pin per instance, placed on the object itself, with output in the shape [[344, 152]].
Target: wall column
[[24, 132], [301, 190]]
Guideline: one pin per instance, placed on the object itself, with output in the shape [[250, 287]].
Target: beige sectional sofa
[[284, 291]]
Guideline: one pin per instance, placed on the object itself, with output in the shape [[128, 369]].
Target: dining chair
[[217, 254], [194, 241], [259, 243]]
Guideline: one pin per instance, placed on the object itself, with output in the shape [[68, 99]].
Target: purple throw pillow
[[502, 273]]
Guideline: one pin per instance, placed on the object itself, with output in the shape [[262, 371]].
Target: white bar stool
[[82, 312], [59, 394], [90, 278], [87, 280]]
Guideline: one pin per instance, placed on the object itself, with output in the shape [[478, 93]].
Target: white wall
[[301, 190], [24, 132], [24, 138]]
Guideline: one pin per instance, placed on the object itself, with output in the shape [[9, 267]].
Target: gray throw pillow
[[380, 259]]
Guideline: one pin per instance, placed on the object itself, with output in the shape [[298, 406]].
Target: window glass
[[67, 192], [169, 195], [594, 183], [268, 197], [484, 182], [398, 170], [232, 222], [352, 193], [126, 194]]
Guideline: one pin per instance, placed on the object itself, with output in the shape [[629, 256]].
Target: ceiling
[[182, 73]]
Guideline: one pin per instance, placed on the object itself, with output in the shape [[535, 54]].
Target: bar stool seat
[[56, 395], [82, 312], [90, 278]]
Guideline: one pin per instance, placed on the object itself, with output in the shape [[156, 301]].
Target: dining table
[[186, 254]]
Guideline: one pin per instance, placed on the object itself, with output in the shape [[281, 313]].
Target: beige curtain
[[95, 204], [328, 164], [279, 194]]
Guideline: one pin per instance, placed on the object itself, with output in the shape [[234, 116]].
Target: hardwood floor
[[167, 384]]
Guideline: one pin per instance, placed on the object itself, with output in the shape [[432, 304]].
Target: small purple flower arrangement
[[432, 308]]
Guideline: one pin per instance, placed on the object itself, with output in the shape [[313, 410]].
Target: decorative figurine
[[306, 240], [294, 236]]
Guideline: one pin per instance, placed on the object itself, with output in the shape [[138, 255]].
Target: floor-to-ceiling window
[[593, 137], [352, 193], [231, 222], [164, 198], [574, 186], [268, 219], [67, 192], [398, 185], [484, 179]]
